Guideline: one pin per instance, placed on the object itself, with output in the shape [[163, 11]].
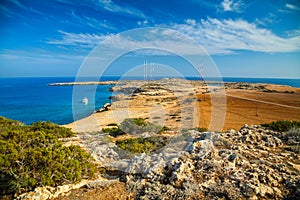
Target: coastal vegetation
[[199, 129], [282, 125], [142, 145], [114, 131], [137, 126], [33, 156], [134, 126], [292, 133], [292, 138]]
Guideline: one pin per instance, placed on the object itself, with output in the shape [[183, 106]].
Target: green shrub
[[164, 128], [60, 132], [102, 170], [293, 133], [33, 156], [112, 124], [292, 138], [138, 125], [282, 125], [115, 132], [134, 126], [200, 129], [142, 145]]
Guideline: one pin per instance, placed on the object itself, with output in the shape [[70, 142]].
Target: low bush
[[33, 156], [142, 145], [135, 126], [200, 129], [164, 128], [282, 125], [115, 131], [292, 138], [50, 128], [112, 124]]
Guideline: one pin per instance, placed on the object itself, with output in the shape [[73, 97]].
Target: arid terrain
[[249, 162], [186, 104]]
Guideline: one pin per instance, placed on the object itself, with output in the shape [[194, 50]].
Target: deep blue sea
[[31, 99]]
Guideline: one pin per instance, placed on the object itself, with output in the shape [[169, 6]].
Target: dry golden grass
[[241, 110], [242, 107]]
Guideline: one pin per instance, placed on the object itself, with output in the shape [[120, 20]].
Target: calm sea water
[[31, 99]]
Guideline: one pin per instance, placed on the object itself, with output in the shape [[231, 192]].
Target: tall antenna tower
[[152, 73], [201, 71], [146, 71]]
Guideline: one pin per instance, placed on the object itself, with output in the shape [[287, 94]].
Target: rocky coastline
[[252, 163]]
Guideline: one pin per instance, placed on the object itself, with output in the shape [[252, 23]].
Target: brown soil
[[240, 111], [114, 192]]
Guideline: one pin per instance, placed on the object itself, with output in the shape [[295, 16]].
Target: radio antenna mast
[[144, 69]]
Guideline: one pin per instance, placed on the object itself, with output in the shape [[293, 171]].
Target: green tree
[[32, 156]]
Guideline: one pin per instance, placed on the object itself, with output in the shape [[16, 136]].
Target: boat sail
[[85, 100]]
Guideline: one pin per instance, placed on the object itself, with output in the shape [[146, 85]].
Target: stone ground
[[252, 163]]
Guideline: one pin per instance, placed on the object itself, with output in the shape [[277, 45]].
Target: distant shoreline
[[293, 82], [246, 103], [84, 83]]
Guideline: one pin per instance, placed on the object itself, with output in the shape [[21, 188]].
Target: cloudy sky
[[245, 38]]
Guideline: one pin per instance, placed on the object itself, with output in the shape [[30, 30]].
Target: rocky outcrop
[[248, 164], [106, 107], [252, 163]]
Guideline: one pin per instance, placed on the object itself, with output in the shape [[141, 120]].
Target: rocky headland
[[186, 104], [254, 162]]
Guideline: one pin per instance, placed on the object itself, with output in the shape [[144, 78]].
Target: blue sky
[[245, 38]]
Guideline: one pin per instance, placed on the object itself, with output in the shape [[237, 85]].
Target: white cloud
[[108, 5], [269, 19], [37, 56], [292, 7], [29, 9], [231, 5], [80, 40], [142, 23], [91, 22], [157, 42], [191, 22], [289, 8], [214, 35], [9, 12], [113, 7], [227, 36]]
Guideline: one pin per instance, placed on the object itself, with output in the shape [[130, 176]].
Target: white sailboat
[[85, 100]]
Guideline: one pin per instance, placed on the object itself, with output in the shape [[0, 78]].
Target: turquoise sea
[[31, 99]]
